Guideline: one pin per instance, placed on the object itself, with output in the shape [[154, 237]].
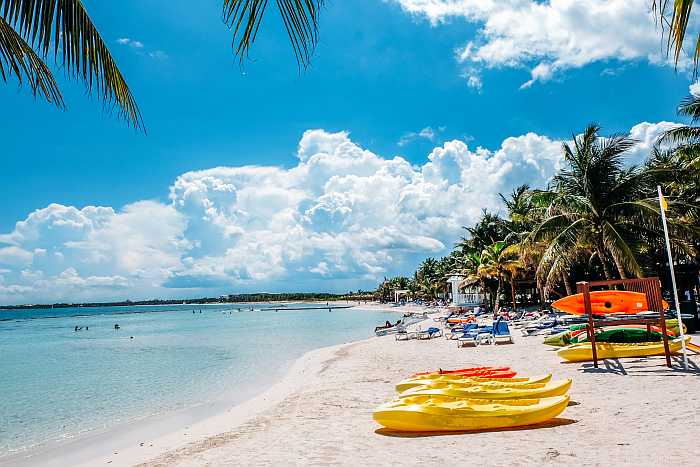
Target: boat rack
[[650, 286]]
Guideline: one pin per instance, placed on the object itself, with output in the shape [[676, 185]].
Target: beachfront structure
[[400, 293], [469, 296]]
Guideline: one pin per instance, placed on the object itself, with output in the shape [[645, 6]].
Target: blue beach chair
[[501, 333]]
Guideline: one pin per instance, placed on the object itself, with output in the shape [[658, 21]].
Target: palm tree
[[599, 207], [501, 262], [685, 139]]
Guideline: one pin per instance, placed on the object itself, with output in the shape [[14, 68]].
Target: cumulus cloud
[[341, 218], [547, 37], [65, 253]]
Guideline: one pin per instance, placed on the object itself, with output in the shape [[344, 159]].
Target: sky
[[256, 176]]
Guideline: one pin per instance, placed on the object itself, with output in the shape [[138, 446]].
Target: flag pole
[[663, 206]]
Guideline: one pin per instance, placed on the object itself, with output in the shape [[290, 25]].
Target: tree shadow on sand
[[555, 422], [642, 367]]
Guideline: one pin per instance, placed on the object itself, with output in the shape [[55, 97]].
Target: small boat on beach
[[429, 414], [605, 302], [409, 383], [583, 352], [401, 325], [490, 390]]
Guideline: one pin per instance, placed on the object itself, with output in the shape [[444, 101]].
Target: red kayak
[[481, 372]]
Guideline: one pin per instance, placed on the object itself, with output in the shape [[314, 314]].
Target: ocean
[[57, 383]]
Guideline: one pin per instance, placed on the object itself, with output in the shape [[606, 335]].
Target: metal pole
[[673, 278]]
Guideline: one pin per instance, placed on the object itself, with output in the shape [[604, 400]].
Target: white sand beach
[[627, 412]]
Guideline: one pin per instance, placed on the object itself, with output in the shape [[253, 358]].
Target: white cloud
[[646, 134], [475, 82], [130, 42], [140, 49], [341, 218], [694, 88], [549, 36], [427, 133], [64, 253]]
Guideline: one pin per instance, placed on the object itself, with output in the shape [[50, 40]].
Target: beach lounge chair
[[430, 333], [477, 336], [501, 333], [458, 331], [403, 334]]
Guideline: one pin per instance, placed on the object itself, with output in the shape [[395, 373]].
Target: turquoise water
[[56, 383]]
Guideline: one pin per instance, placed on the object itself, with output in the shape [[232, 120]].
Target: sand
[[627, 412]]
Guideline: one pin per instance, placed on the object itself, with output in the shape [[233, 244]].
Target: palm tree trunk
[[498, 297], [567, 285], [512, 292], [601, 257], [620, 267], [541, 291]]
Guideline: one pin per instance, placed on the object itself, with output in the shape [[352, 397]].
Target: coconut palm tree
[[500, 262], [598, 205], [685, 139]]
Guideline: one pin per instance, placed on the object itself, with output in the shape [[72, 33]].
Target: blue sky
[[383, 72]]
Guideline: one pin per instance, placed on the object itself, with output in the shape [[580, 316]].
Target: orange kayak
[[482, 372], [604, 302], [468, 320]]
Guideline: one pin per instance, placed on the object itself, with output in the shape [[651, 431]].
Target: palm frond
[[676, 26], [300, 18], [620, 250], [680, 135], [690, 107], [64, 27], [18, 58]]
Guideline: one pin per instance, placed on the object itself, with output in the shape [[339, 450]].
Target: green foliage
[[599, 217]]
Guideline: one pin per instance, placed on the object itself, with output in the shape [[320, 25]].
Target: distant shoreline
[[237, 299]]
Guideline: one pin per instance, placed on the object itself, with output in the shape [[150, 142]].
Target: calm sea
[[56, 383]]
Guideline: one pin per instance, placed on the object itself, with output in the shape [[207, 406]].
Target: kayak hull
[[425, 414], [467, 382], [475, 371], [494, 391], [583, 352], [604, 302]]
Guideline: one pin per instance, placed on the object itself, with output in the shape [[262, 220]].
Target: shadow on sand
[[641, 367], [555, 422]]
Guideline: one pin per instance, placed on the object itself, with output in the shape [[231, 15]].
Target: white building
[[469, 296]]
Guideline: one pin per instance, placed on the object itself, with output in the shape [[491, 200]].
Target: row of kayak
[[615, 342], [584, 352], [627, 334], [469, 399]]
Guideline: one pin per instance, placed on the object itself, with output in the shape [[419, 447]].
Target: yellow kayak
[[424, 413], [448, 379], [583, 352], [491, 391]]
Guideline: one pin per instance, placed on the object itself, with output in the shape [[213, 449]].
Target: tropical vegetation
[[599, 218]]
